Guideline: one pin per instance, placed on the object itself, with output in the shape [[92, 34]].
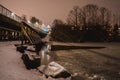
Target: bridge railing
[[4, 11]]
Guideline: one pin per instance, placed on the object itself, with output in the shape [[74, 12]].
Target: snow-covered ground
[[11, 64]]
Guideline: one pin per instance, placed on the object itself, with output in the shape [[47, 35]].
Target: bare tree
[[92, 19], [73, 17], [34, 20], [90, 14], [24, 17], [116, 19], [104, 16], [57, 22]]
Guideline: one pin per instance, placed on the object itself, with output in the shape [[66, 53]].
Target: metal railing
[[4, 11]]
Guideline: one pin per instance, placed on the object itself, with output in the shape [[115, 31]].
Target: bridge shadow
[[64, 47]]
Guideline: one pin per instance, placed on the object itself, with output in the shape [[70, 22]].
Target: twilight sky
[[48, 10]]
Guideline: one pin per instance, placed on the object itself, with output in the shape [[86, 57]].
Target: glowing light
[[48, 26], [12, 14], [36, 23], [43, 25], [45, 30], [119, 28], [49, 33], [28, 21]]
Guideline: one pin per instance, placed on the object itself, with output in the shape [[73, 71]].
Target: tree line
[[89, 23], [33, 19]]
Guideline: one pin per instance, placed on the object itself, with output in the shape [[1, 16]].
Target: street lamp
[[28, 21], [37, 23], [12, 14]]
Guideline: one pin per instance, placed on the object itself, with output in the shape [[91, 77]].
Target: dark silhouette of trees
[[89, 23], [90, 20], [73, 17], [104, 17], [115, 33], [34, 20], [90, 14], [24, 17], [63, 32], [57, 22]]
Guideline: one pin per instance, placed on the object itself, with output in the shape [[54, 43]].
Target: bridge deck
[[10, 24]]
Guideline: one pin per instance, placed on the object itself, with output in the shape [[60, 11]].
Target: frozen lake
[[90, 60]]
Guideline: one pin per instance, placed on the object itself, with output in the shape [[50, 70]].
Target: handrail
[[6, 12]]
